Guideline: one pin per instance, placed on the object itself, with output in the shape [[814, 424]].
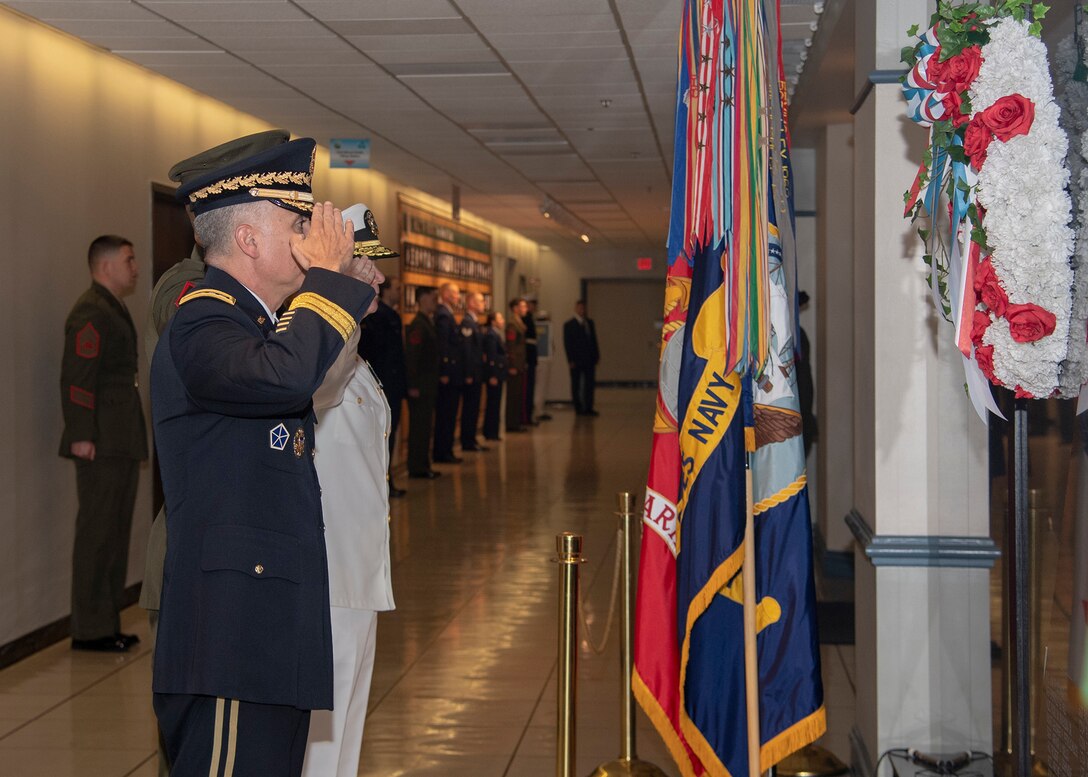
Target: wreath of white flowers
[[1005, 267]]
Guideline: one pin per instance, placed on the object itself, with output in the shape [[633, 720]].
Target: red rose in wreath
[[989, 288], [979, 324], [976, 140], [1010, 116], [957, 73], [1022, 393], [953, 109], [984, 356], [1028, 322]]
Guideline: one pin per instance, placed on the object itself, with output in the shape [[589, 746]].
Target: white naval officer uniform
[[352, 460]]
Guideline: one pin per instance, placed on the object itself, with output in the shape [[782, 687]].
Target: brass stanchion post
[[569, 549], [627, 765]]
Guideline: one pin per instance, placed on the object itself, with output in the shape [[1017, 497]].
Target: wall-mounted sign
[[349, 152], [644, 263]]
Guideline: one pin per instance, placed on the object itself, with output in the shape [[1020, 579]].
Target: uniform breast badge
[[277, 437], [300, 443]]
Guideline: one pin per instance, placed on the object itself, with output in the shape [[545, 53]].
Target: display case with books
[[437, 250]]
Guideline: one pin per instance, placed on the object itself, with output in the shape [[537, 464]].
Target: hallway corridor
[[464, 682]]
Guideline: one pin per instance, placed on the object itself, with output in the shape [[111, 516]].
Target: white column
[[920, 482], [835, 335]]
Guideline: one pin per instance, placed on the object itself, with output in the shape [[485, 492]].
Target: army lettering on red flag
[[88, 342], [660, 515]]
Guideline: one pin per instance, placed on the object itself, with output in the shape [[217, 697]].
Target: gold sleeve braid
[[222, 296], [338, 318]]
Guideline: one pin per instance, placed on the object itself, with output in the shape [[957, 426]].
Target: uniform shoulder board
[[222, 296]]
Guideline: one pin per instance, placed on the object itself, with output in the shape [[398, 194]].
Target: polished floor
[[464, 682]]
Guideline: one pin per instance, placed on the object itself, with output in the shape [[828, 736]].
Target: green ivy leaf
[[913, 31], [1039, 11], [1036, 29]]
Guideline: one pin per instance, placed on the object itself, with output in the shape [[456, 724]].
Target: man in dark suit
[[451, 375], [580, 342], [244, 632], [421, 361], [105, 433], [472, 358], [515, 365], [494, 372], [382, 345]]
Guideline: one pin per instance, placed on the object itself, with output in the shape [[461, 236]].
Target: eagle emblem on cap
[[372, 224]]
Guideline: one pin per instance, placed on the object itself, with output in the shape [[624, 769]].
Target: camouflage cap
[[226, 153]]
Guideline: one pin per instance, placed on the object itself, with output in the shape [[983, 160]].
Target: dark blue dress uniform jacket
[[245, 602], [472, 348], [450, 350]]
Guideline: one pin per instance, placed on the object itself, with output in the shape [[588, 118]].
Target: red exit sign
[[645, 263]]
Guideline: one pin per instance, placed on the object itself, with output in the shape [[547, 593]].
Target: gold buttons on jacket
[[259, 569]]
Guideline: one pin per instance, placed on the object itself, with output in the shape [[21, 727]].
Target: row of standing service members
[[447, 365]]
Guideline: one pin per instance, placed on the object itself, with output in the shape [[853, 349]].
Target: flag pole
[[751, 667]]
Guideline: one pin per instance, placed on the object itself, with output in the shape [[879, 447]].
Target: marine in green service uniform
[[106, 435]]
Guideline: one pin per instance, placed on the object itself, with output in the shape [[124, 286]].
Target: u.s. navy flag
[[728, 401]]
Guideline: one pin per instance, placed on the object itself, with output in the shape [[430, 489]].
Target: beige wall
[[84, 136]]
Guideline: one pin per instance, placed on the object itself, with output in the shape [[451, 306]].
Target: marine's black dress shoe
[[493, 439], [396, 493], [115, 644], [128, 639], [428, 475], [543, 417], [475, 448], [449, 460]]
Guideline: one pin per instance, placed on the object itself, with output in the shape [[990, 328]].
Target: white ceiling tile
[[47, 11], [268, 31], [516, 40], [462, 42], [172, 43], [405, 29], [544, 24], [377, 9], [533, 55], [395, 57], [265, 57], [520, 8], [250, 11], [117, 28]]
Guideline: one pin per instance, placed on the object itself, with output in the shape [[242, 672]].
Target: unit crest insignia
[[300, 443], [372, 224], [277, 437]]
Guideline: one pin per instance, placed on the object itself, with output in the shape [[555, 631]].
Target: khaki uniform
[[101, 404]]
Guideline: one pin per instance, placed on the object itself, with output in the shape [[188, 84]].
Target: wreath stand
[[1017, 570]]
